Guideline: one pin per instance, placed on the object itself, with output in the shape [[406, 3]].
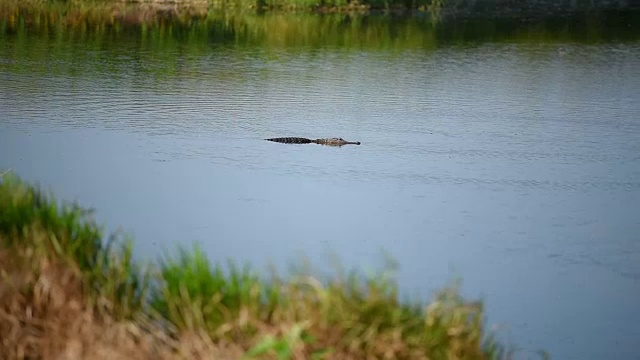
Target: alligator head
[[335, 142]]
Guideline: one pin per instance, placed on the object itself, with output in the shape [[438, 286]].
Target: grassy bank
[[66, 290], [92, 12], [42, 29]]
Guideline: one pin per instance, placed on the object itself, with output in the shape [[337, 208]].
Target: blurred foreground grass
[[67, 292]]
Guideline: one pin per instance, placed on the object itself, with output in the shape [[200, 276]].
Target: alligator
[[299, 140]]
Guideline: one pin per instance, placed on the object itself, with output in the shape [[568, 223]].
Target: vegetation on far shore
[[140, 10], [77, 12], [29, 26], [68, 291]]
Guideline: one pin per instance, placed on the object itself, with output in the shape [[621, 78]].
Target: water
[[513, 164]]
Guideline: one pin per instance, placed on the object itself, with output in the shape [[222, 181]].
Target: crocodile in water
[[299, 140]]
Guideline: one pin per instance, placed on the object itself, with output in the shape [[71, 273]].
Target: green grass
[[33, 219], [297, 316]]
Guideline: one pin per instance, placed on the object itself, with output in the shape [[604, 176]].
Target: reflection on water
[[508, 162]]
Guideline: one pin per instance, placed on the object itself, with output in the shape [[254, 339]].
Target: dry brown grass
[[44, 315], [74, 13]]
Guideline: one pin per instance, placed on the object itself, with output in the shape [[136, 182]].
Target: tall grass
[[31, 219], [64, 272]]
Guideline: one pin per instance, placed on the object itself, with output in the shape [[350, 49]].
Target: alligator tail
[[291, 140]]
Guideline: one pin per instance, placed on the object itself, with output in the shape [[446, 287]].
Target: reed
[[65, 286]]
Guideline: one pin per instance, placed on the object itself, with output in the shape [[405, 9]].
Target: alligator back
[[291, 140]]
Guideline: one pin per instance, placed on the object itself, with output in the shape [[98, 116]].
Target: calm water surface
[[512, 165]]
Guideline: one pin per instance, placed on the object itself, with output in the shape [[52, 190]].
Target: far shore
[[136, 12]]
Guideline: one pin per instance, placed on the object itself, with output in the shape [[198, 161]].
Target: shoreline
[[75, 292], [140, 12]]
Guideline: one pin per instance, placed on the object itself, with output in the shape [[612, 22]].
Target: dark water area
[[503, 151]]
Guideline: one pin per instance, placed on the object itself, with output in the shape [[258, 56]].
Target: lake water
[[509, 158]]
